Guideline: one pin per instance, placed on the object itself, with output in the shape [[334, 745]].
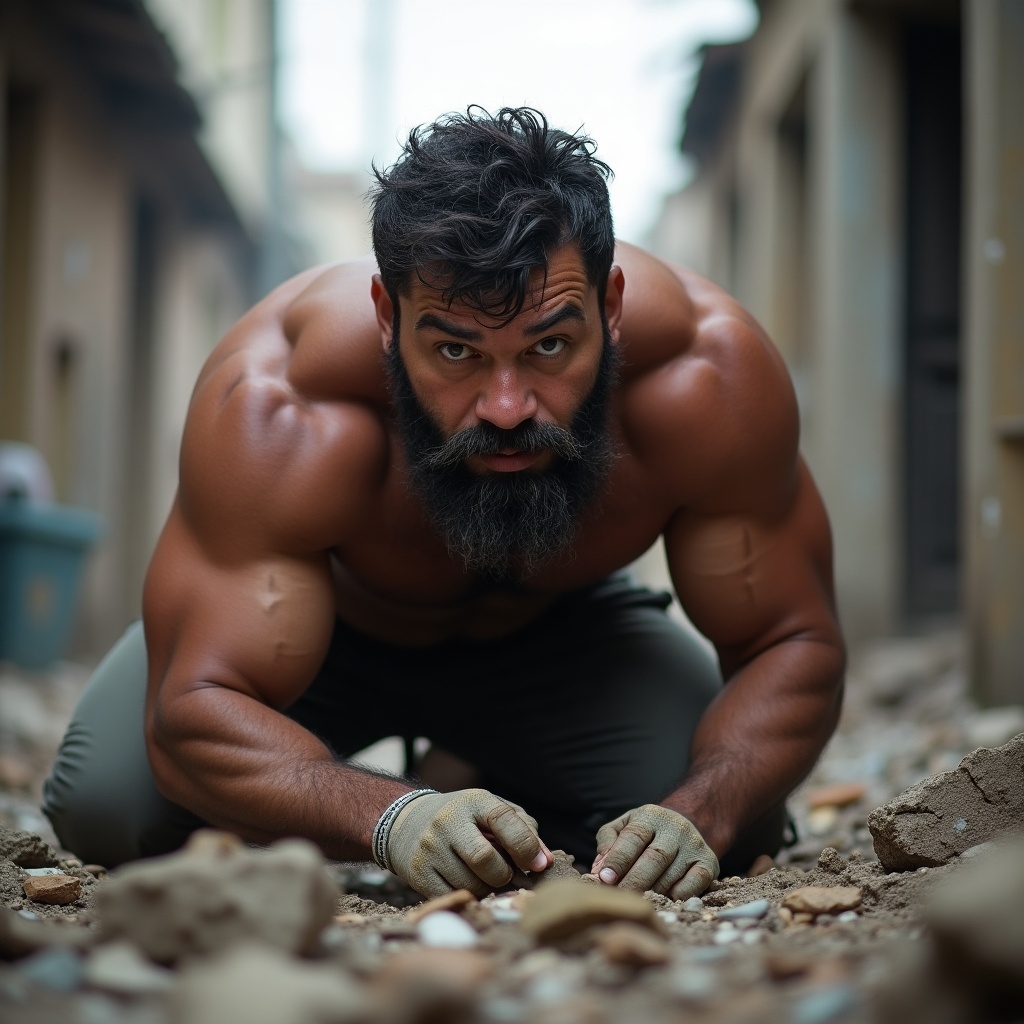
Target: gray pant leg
[[100, 797]]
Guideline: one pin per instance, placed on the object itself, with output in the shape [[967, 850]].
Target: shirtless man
[[430, 544]]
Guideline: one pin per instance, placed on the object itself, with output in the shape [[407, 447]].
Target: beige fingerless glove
[[443, 841]]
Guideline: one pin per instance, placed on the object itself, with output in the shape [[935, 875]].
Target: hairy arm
[[239, 611], [750, 557]]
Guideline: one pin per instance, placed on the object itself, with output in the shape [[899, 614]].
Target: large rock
[[939, 818], [978, 922], [26, 849], [258, 985], [208, 897]]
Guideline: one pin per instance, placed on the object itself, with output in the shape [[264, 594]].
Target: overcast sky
[[356, 75]]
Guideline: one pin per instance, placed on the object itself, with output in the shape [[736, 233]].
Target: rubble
[[563, 907], [200, 900], [941, 817], [822, 899], [55, 890], [26, 849]]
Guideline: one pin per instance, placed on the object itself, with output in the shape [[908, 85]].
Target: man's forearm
[[759, 738], [240, 765]]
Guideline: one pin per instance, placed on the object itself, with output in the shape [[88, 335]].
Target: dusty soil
[[908, 716]]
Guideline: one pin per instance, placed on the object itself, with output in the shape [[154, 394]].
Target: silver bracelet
[[381, 831]]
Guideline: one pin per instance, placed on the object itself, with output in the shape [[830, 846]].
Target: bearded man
[[431, 544]]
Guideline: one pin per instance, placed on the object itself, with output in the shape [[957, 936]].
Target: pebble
[[58, 969], [445, 930], [121, 969], [756, 910], [28, 915], [668, 916], [42, 872], [693, 982], [374, 879], [562, 908], [822, 899], [847, 916], [822, 820], [506, 915], [632, 945], [839, 794], [693, 903], [752, 938], [725, 934], [453, 901], [53, 890], [824, 1005], [97, 870]]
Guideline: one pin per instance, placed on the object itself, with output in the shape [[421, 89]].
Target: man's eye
[[455, 351], [550, 346]]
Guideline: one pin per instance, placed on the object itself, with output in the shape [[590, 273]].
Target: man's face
[[505, 425]]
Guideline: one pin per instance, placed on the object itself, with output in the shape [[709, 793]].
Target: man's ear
[[384, 309], [613, 302]]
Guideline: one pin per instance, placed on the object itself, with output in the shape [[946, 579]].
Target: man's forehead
[[563, 281]]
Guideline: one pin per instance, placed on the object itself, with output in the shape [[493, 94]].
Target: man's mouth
[[509, 460]]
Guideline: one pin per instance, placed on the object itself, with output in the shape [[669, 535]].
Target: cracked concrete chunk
[[190, 902], [946, 814]]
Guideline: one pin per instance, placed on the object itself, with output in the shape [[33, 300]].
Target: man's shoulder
[[711, 404], [286, 416]]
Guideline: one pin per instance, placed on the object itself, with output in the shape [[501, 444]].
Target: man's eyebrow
[[570, 311], [454, 330]]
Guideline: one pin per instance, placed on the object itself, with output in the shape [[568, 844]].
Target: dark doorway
[[932, 327]]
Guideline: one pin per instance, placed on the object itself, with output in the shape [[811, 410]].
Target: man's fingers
[[631, 842], [504, 821], [693, 883], [650, 866], [486, 863]]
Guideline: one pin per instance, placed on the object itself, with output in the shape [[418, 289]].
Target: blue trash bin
[[42, 552]]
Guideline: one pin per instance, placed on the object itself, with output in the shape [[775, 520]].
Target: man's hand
[[652, 847], [442, 841]]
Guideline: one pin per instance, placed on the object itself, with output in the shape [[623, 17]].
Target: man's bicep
[[753, 578], [259, 623]]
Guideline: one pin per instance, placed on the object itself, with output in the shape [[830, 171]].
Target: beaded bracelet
[[382, 829]]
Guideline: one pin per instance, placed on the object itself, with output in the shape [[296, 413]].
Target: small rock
[[564, 907], [54, 890], [848, 916], [831, 861], [824, 1005], [197, 901], [561, 868], [839, 794], [28, 915], [453, 901], [632, 945], [96, 870], [802, 917], [919, 828], [785, 915], [261, 985], [26, 849], [822, 899], [755, 910], [822, 820], [668, 916], [445, 930], [693, 903], [506, 915], [119, 967], [761, 866], [726, 934], [41, 872], [59, 969]]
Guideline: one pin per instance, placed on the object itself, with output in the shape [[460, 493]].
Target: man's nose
[[506, 400]]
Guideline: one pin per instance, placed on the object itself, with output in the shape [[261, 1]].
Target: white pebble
[[693, 903], [752, 938], [39, 872], [445, 930], [847, 916], [745, 911], [726, 934], [668, 916], [505, 915]]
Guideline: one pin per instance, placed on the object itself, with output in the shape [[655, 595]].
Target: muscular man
[[407, 492]]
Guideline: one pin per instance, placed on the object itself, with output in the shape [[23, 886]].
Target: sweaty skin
[[293, 508]]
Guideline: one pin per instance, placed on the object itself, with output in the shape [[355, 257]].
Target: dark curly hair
[[477, 201]]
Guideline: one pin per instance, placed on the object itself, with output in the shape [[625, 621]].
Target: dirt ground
[[824, 934]]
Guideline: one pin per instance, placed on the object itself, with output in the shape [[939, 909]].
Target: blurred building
[[139, 213], [861, 190]]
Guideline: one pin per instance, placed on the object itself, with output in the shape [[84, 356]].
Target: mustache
[[487, 439]]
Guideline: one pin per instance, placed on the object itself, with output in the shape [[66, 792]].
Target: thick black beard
[[506, 526]]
